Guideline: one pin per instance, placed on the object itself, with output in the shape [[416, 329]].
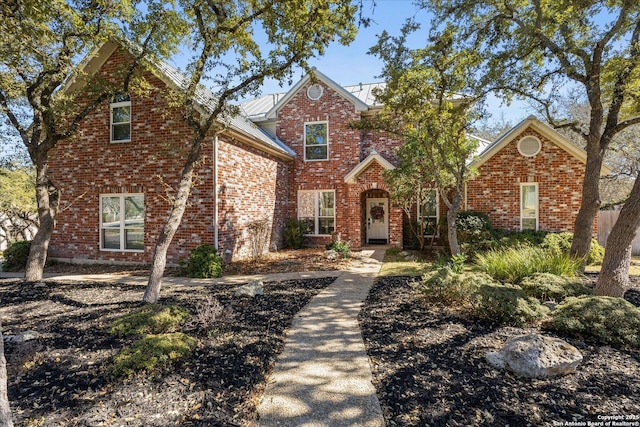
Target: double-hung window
[[317, 210], [428, 210], [316, 141], [121, 118], [529, 206], [122, 222]]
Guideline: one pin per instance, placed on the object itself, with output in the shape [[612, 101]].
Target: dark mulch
[[61, 378], [429, 369]]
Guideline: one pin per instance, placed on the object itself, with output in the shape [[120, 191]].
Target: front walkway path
[[323, 376]]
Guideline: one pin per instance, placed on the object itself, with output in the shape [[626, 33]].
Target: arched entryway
[[375, 216]]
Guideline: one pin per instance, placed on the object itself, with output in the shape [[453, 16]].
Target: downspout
[[215, 190]]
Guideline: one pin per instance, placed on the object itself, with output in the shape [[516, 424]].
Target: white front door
[[377, 219]]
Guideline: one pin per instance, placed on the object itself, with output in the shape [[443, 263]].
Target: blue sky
[[350, 65]]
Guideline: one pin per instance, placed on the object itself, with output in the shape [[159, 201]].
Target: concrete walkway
[[323, 376]]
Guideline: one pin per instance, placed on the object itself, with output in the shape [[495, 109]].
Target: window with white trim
[[316, 141], [529, 206], [120, 114], [317, 210], [429, 212], [122, 222]]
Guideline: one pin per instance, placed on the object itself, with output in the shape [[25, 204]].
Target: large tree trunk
[[6, 419], [452, 231], [583, 227], [152, 293], [614, 274], [48, 198]]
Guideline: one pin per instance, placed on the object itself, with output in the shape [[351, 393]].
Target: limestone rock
[[251, 289], [22, 337], [536, 356], [331, 255]]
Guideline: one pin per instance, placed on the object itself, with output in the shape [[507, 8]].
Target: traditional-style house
[[290, 155]]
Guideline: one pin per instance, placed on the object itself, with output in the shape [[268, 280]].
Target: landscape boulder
[[536, 356], [22, 337], [331, 255], [250, 290]]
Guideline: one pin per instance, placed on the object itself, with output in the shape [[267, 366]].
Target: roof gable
[[359, 105], [352, 176], [173, 78], [542, 128]]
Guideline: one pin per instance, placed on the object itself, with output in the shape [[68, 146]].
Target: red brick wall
[[347, 148], [89, 165], [496, 190]]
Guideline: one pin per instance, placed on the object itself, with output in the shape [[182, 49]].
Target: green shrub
[[151, 353], [16, 255], [473, 226], [444, 286], [204, 262], [561, 243], [547, 286], [294, 233], [343, 248], [514, 264], [606, 319], [506, 305], [150, 319]]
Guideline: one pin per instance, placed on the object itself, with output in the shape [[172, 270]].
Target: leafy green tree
[[18, 217], [540, 50], [39, 54], [428, 103], [225, 38]]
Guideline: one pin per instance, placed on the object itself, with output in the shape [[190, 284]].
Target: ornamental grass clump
[[514, 264], [551, 287], [608, 320]]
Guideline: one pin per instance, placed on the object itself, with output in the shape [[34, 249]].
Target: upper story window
[[316, 141], [121, 118]]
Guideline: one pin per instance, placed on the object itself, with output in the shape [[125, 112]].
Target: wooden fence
[[606, 220]]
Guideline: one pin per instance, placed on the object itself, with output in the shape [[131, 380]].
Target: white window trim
[[535, 184], [420, 216], [122, 196], [316, 209], [304, 140], [111, 108]]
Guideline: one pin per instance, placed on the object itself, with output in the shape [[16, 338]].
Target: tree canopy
[[543, 51]]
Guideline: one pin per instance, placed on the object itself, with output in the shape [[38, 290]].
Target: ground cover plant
[[102, 359], [429, 368]]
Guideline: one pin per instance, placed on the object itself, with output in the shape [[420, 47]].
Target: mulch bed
[[61, 378], [429, 369]]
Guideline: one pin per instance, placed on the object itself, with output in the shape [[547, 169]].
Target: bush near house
[[606, 319], [204, 263], [561, 243], [547, 286], [482, 297], [294, 233], [343, 248], [16, 255]]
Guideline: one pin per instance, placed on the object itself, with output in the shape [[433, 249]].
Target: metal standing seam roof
[[208, 100], [257, 109]]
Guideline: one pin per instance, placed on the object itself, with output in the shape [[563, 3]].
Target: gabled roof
[[352, 176], [204, 98], [359, 105], [542, 128]]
